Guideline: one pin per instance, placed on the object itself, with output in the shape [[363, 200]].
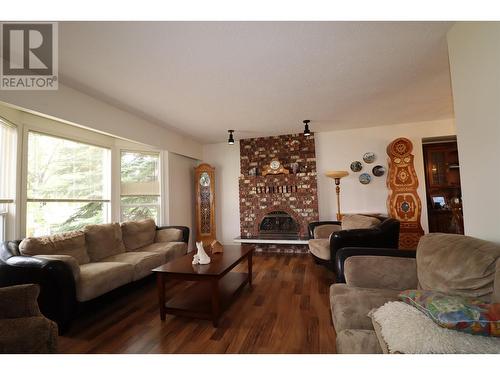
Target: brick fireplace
[[277, 205]]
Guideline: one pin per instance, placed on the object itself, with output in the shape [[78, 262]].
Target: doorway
[[442, 182]]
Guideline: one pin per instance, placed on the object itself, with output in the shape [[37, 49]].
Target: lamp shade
[[336, 174]]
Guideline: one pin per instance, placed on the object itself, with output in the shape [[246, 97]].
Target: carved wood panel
[[403, 202]]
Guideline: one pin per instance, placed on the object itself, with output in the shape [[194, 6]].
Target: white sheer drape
[[8, 153]]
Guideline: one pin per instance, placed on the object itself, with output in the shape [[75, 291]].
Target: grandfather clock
[[403, 202], [204, 180]]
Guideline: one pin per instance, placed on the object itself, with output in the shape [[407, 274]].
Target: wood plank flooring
[[287, 311]]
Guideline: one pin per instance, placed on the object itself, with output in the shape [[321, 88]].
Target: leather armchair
[[383, 235]]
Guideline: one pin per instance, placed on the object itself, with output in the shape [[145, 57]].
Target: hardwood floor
[[287, 311]]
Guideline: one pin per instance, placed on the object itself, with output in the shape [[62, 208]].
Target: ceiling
[[262, 78]]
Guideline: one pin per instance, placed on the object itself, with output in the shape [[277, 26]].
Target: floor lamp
[[337, 175]]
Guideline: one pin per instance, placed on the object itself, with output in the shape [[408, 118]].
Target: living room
[[251, 187]]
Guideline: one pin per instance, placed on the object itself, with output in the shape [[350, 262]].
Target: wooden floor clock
[[403, 202], [204, 180]]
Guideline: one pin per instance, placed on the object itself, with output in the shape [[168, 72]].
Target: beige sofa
[[447, 263], [106, 256]]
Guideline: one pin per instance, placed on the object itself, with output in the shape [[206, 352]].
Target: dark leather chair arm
[[315, 224], [185, 231], [347, 252], [385, 235], [57, 297]]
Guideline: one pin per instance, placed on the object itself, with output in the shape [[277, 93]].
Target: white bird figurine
[[201, 256]]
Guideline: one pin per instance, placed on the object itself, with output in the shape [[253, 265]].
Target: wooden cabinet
[[444, 195]]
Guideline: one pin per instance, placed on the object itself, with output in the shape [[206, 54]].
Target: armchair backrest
[[383, 235], [459, 265]]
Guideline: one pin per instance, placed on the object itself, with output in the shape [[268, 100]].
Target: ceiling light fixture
[[230, 141], [307, 132]]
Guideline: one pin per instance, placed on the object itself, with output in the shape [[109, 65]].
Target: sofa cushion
[[358, 222], [101, 277], [168, 235], [68, 243], [103, 240], [325, 230], [69, 260], [143, 262], [350, 305], [320, 248], [457, 265], [169, 250], [404, 329], [357, 341], [138, 234]]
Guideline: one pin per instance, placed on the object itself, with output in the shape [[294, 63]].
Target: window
[[140, 186], [8, 153], [68, 185]]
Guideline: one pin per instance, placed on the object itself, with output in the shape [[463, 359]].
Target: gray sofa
[[447, 263], [82, 265]]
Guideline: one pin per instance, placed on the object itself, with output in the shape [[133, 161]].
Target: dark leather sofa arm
[[347, 252], [315, 224], [57, 297], [185, 231]]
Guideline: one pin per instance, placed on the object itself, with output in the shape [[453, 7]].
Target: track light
[[306, 127], [230, 141]]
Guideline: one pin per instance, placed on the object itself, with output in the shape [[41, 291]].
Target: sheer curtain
[[8, 153]]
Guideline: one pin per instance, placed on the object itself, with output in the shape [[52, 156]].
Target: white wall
[[77, 108], [181, 192], [334, 150], [474, 51], [226, 160]]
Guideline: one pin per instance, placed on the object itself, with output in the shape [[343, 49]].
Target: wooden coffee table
[[214, 287]]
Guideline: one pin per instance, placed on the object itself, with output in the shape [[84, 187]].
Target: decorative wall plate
[[365, 178], [378, 170], [369, 157], [356, 166]]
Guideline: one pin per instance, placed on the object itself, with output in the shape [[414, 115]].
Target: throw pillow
[[455, 312]]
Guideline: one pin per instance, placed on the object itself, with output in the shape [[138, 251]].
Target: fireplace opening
[[279, 225]]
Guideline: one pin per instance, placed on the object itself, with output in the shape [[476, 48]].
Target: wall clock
[[204, 178], [274, 167], [403, 202]]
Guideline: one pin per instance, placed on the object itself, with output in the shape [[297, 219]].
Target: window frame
[[159, 217], [76, 139]]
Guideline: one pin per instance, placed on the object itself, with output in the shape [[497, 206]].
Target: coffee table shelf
[[212, 287], [196, 300]]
